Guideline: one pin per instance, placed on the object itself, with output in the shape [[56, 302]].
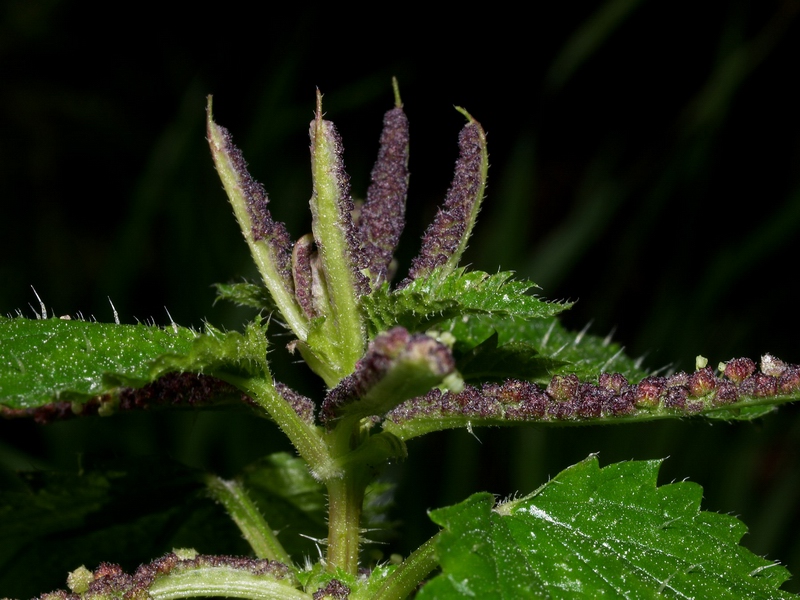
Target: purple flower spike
[[566, 399], [262, 226], [269, 242], [396, 367], [446, 239], [383, 214], [302, 275], [304, 407]]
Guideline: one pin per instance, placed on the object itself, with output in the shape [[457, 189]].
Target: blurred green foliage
[[644, 162]]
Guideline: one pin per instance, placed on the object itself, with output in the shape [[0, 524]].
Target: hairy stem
[[410, 573], [221, 582], [305, 437], [345, 501], [245, 514]]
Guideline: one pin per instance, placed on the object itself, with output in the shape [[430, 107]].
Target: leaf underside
[[594, 532]]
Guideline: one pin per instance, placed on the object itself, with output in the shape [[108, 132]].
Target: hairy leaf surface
[[582, 354], [247, 294], [430, 300], [493, 362], [290, 499], [591, 533], [42, 361]]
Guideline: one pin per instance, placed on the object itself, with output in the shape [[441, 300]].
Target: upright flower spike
[[383, 214], [268, 240], [446, 239], [337, 246]]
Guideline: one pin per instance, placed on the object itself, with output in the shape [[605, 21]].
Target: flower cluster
[[110, 581], [566, 398]]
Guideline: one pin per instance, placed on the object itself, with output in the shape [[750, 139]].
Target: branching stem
[[410, 573], [305, 437], [245, 514]]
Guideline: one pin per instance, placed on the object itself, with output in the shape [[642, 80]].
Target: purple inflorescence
[[444, 236], [333, 590], [301, 274], [171, 390], [262, 227], [702, 382], [567, 399], [304, 407], [383, 214], [346, 206], [789, 380], [110, 581], [739, 369], [383, 354], [563, 387]]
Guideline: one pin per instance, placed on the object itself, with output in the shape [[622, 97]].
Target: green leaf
[[43, 361], [246, 294], [581, 354], [120, 511], [488, 361], [745, 413], [430, 300], [594, 532], [290, 499]]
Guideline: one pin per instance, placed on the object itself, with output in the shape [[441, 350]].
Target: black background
[[644, 162]]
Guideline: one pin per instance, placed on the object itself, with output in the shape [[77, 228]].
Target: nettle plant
[[444, 348]]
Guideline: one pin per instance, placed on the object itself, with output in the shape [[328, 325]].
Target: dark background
[[644, 162]]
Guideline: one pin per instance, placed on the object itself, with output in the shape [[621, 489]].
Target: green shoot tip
[[398, 103], [464, 112]]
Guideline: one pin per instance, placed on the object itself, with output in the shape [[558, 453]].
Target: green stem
[[405, 579], [245, 514], [359, 457], [305, 437], [222, 582], [345, 501], [330, 224]]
